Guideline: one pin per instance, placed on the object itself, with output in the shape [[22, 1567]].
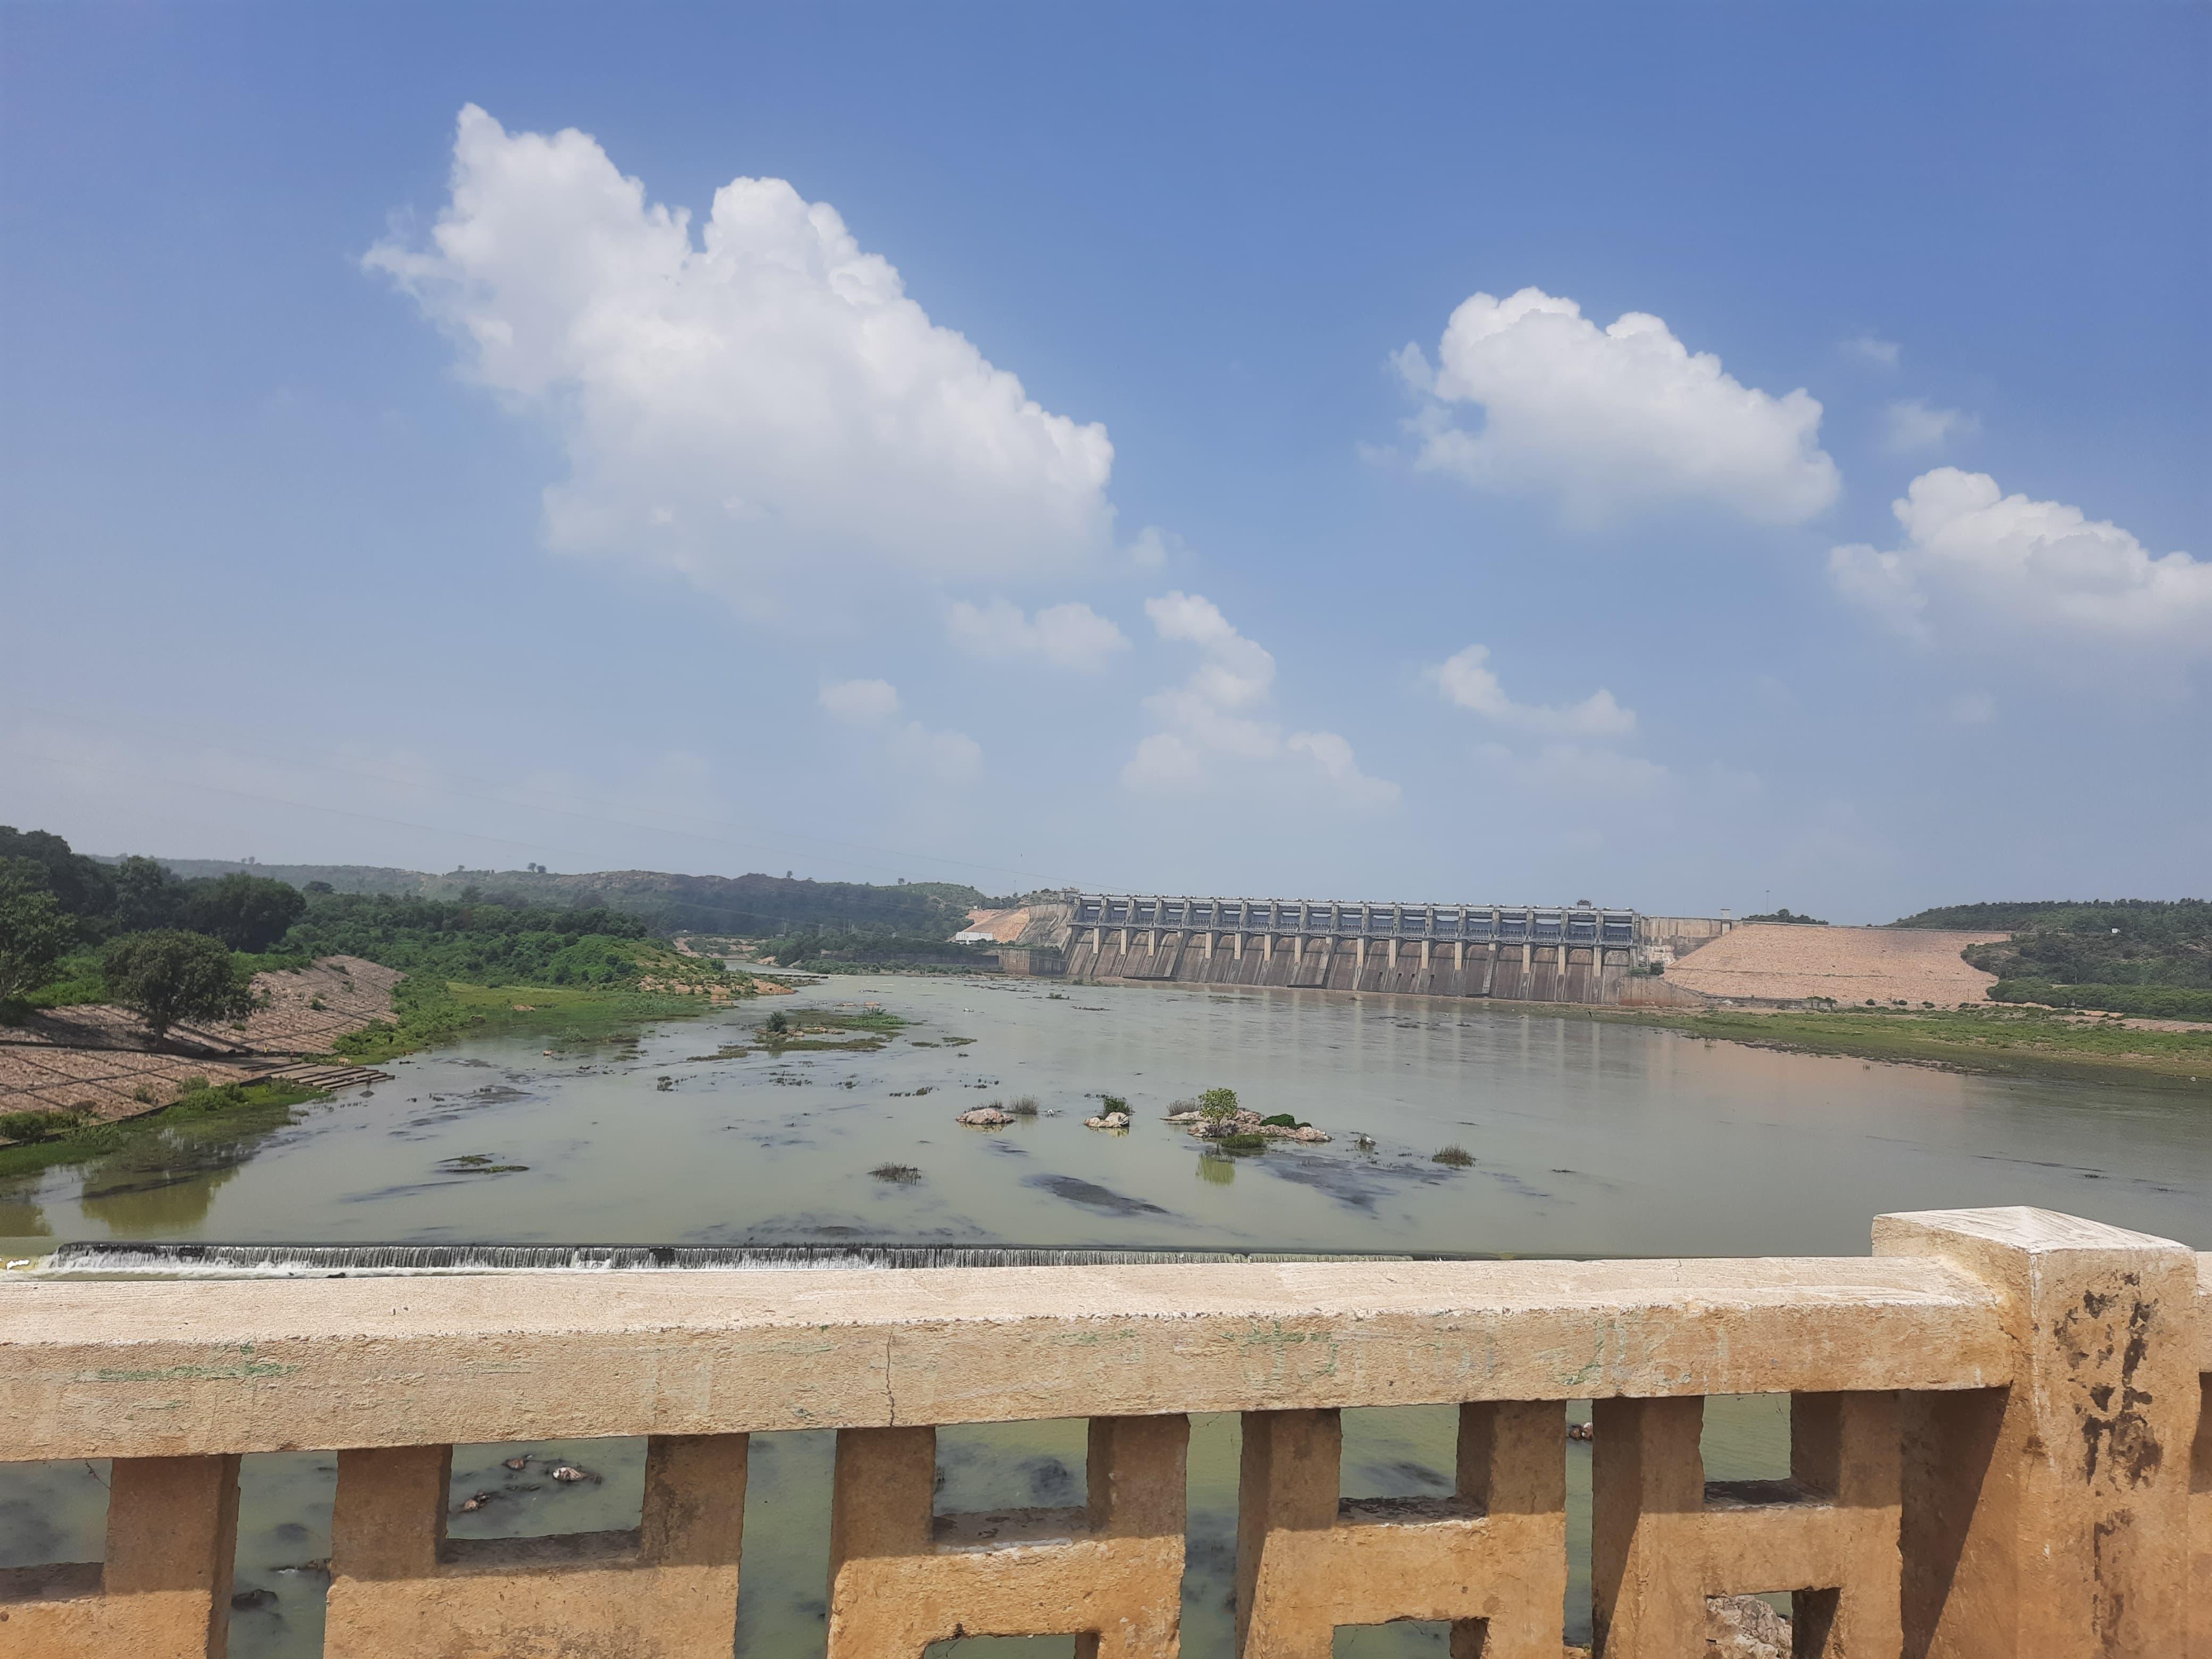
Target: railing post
[[2048, 1519], [666, 1588], [163, 1591]]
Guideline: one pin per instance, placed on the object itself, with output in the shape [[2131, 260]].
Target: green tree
[[148, 895], [34, 929], [170, 975], [82, 885], [246, 913]]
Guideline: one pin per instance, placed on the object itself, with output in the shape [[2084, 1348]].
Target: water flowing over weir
[[204, 1260]]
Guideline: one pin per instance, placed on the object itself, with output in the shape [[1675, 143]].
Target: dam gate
[[1525, 953]]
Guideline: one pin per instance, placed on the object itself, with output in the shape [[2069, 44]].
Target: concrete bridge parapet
[[1999, 1448]]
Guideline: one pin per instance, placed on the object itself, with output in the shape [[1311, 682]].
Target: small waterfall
[[167, 1260]]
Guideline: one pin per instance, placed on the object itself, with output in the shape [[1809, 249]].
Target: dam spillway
[[1526, 953]]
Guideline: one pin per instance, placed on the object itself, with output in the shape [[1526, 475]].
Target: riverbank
[[2007, 1041], [217, 1113]]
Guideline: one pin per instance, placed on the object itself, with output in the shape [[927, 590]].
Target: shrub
[[778, 1024], [1112, 1104], [38, 1125], [1281, 1121], [1026, 1106], [1242, 1143], [1218, 1104], [1457, 1157]]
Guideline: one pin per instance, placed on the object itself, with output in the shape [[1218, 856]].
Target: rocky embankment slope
[[1777, 962]]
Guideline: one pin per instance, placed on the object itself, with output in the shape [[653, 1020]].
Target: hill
[[2149, 957]]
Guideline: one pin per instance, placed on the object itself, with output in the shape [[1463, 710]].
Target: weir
[[1523, 953]]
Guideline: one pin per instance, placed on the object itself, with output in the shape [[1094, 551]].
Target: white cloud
[[1614, 419], [873, 706], [1874, 350], [1220, 714], [1909, 425], [1333, 755], [1066, 635], [759, 408], [1163, 765], [1976, 561], [1153, 546], [1466, 679], [861, 702]]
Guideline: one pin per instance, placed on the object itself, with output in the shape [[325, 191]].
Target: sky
[[1678, 456]]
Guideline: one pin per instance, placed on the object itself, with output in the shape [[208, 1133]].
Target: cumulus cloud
[[1977, 560], [1909, 426], [1610, 419], [861, 702], [1065, 635], [1874, 350], [1219, 714], [1466, 680], [1333, 755], [873, 706], [760, 407]]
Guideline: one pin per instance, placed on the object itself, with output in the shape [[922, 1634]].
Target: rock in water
[[1744, 1627]]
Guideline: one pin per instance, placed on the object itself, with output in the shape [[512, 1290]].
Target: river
[[1588, 1139]]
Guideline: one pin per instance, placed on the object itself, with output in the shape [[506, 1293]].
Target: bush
[[1026, 1106], [1218, 1104], [39, 1125], [1242, 1143], [1281, 1121], [1112, 1104], [778, 1023], [1457, 1157]]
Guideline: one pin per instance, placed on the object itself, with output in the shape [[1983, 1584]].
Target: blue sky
[[1026, 478]]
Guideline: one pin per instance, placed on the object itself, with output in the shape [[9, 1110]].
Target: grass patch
[[1455, 1156], [902, 1174], [199, 1121], [430, 1012]]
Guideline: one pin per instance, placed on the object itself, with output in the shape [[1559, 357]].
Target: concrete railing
[[1995, 1424]]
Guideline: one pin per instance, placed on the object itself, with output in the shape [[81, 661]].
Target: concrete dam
[[1525, 953]]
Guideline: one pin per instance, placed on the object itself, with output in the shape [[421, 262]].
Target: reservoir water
[[1588, 1139]]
